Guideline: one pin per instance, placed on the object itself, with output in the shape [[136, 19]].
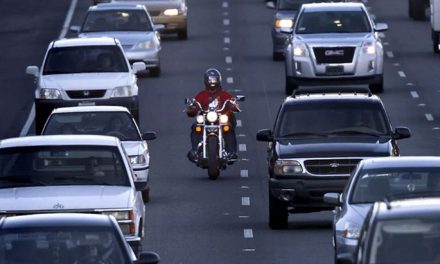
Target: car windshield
[[62, 165], [117, 124], [332, 119], [117, 20], [403, 241], [319, 22], [84, 59], [375, 184], [55, 245]]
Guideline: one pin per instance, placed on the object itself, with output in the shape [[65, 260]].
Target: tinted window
[[61, 245], [375, 185], [118, 124], [332, 119], [62, 165], [83, 59], [117, 20], [333, 22]]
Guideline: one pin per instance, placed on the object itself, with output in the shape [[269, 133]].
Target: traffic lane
[[27, 28]]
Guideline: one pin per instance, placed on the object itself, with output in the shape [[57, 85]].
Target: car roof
[[86, 109], [332, 97], [60, 140], [399, 162], [409, 208], [92, 41], [54, 220], [117, 6], [334, 6]]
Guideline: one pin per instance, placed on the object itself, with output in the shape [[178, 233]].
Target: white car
[[84, 71], [106, 120], [71, 173]]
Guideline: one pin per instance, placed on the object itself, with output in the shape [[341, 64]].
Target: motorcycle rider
[[213, 90]]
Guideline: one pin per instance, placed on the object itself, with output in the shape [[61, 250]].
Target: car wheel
[[146, 195], [416, 9], [278, 214], [435, 41], [290, 87], [155, 72], [277, 56], [183, 34], [376, 87]]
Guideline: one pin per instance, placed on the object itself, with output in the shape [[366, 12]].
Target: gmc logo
[[334, 53]]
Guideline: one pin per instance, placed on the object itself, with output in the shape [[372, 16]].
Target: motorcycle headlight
[[224, 119], [369, 48], [351, 231], [122, 91], [284, 23], [212, 116], [299, 49], [137, 159], [199, 119], [145, 45], [171, 12], [287, 167], [46, 93]]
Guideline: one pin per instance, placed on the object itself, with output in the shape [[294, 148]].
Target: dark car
[[319, 137], [404, 231], [66, 238]]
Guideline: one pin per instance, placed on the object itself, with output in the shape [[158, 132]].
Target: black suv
[[319, 137]]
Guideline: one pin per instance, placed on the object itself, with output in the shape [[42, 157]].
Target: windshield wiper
[[305, 134], [355, 132], [81, 179], [23, 179]]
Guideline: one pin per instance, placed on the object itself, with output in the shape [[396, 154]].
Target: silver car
[[374, 180], [334, 43], [132, 26]]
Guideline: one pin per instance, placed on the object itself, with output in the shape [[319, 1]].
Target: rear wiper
[[304, 134], [355, 132]]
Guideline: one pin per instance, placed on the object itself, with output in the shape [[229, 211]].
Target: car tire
[[277, 56], [146, 195], [435, 41], [376, 87], [290, 87], [182, 34], [278, 215], [155, 72], [416, 9]]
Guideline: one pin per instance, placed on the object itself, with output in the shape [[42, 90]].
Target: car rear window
[[117, 20]]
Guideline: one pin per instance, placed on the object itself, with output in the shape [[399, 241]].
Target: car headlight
[[212, 116], [200, 119], [299, 49], [171, 12], [119, 215], [351, 231], [46, 93], [369, 48], [122, 91], [145, 45], [137, 159], [284, 23], [288, 167], [224, 119]]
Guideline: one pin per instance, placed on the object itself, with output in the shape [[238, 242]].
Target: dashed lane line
[[226, 22], [228, 59], [239, 123], [248, 233], [414, 94], [390, 54], [401, 74], [244, 173], [227, 40], [429, 117], [245, 201], [242, 147], [230, 80], [225, 4]]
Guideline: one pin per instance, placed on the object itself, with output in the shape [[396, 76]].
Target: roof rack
[[331, 90]]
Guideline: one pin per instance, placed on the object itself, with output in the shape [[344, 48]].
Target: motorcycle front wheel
[[213, 168]]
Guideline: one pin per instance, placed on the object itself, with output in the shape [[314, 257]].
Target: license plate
[[86, 103], [334, 70]]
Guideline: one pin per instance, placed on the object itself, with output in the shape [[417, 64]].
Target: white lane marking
[[228, 59], [386, 44], [226, 213], [244, 187], [226, 48], [241, 135], [429, 117], [248, 233], [226, 13], [226, 22], [242, 147], [422, 105], [226, 31], [401, 74], [243, 216], [239, 124], [249, 249], [436, 128], [414, 94], [30, 119], [227, 40], [229, 80], [410, 84], [396, 64], [244, 173], [225, 4], [390, 54], [245, 201], [229, 69]]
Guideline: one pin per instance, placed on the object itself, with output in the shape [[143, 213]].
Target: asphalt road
[[194, 220]]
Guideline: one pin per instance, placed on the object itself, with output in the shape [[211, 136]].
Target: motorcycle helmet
[[213, 79]]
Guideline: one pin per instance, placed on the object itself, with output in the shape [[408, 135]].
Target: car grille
[[331, 166], [85, 94], [334, 54]]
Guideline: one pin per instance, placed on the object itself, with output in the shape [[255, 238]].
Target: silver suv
[[335, 42]]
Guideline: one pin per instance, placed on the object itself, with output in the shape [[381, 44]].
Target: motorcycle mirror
[[187, 101], [240, 98]]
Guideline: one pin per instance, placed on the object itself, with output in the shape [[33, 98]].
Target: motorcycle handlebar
[[233, 101]]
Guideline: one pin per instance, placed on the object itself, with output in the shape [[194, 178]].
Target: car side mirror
[[33, 70], [150, 135], [158, 27], [140, 185], [380, 27], [401, 133], [240, 98], [148, 258], [345, 258], [265, 135], [75, 29], [138, 66], [333, 199]]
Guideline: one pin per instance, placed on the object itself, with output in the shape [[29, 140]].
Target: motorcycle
[[211, 123]]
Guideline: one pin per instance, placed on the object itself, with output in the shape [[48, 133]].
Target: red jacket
[[205, 97]]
